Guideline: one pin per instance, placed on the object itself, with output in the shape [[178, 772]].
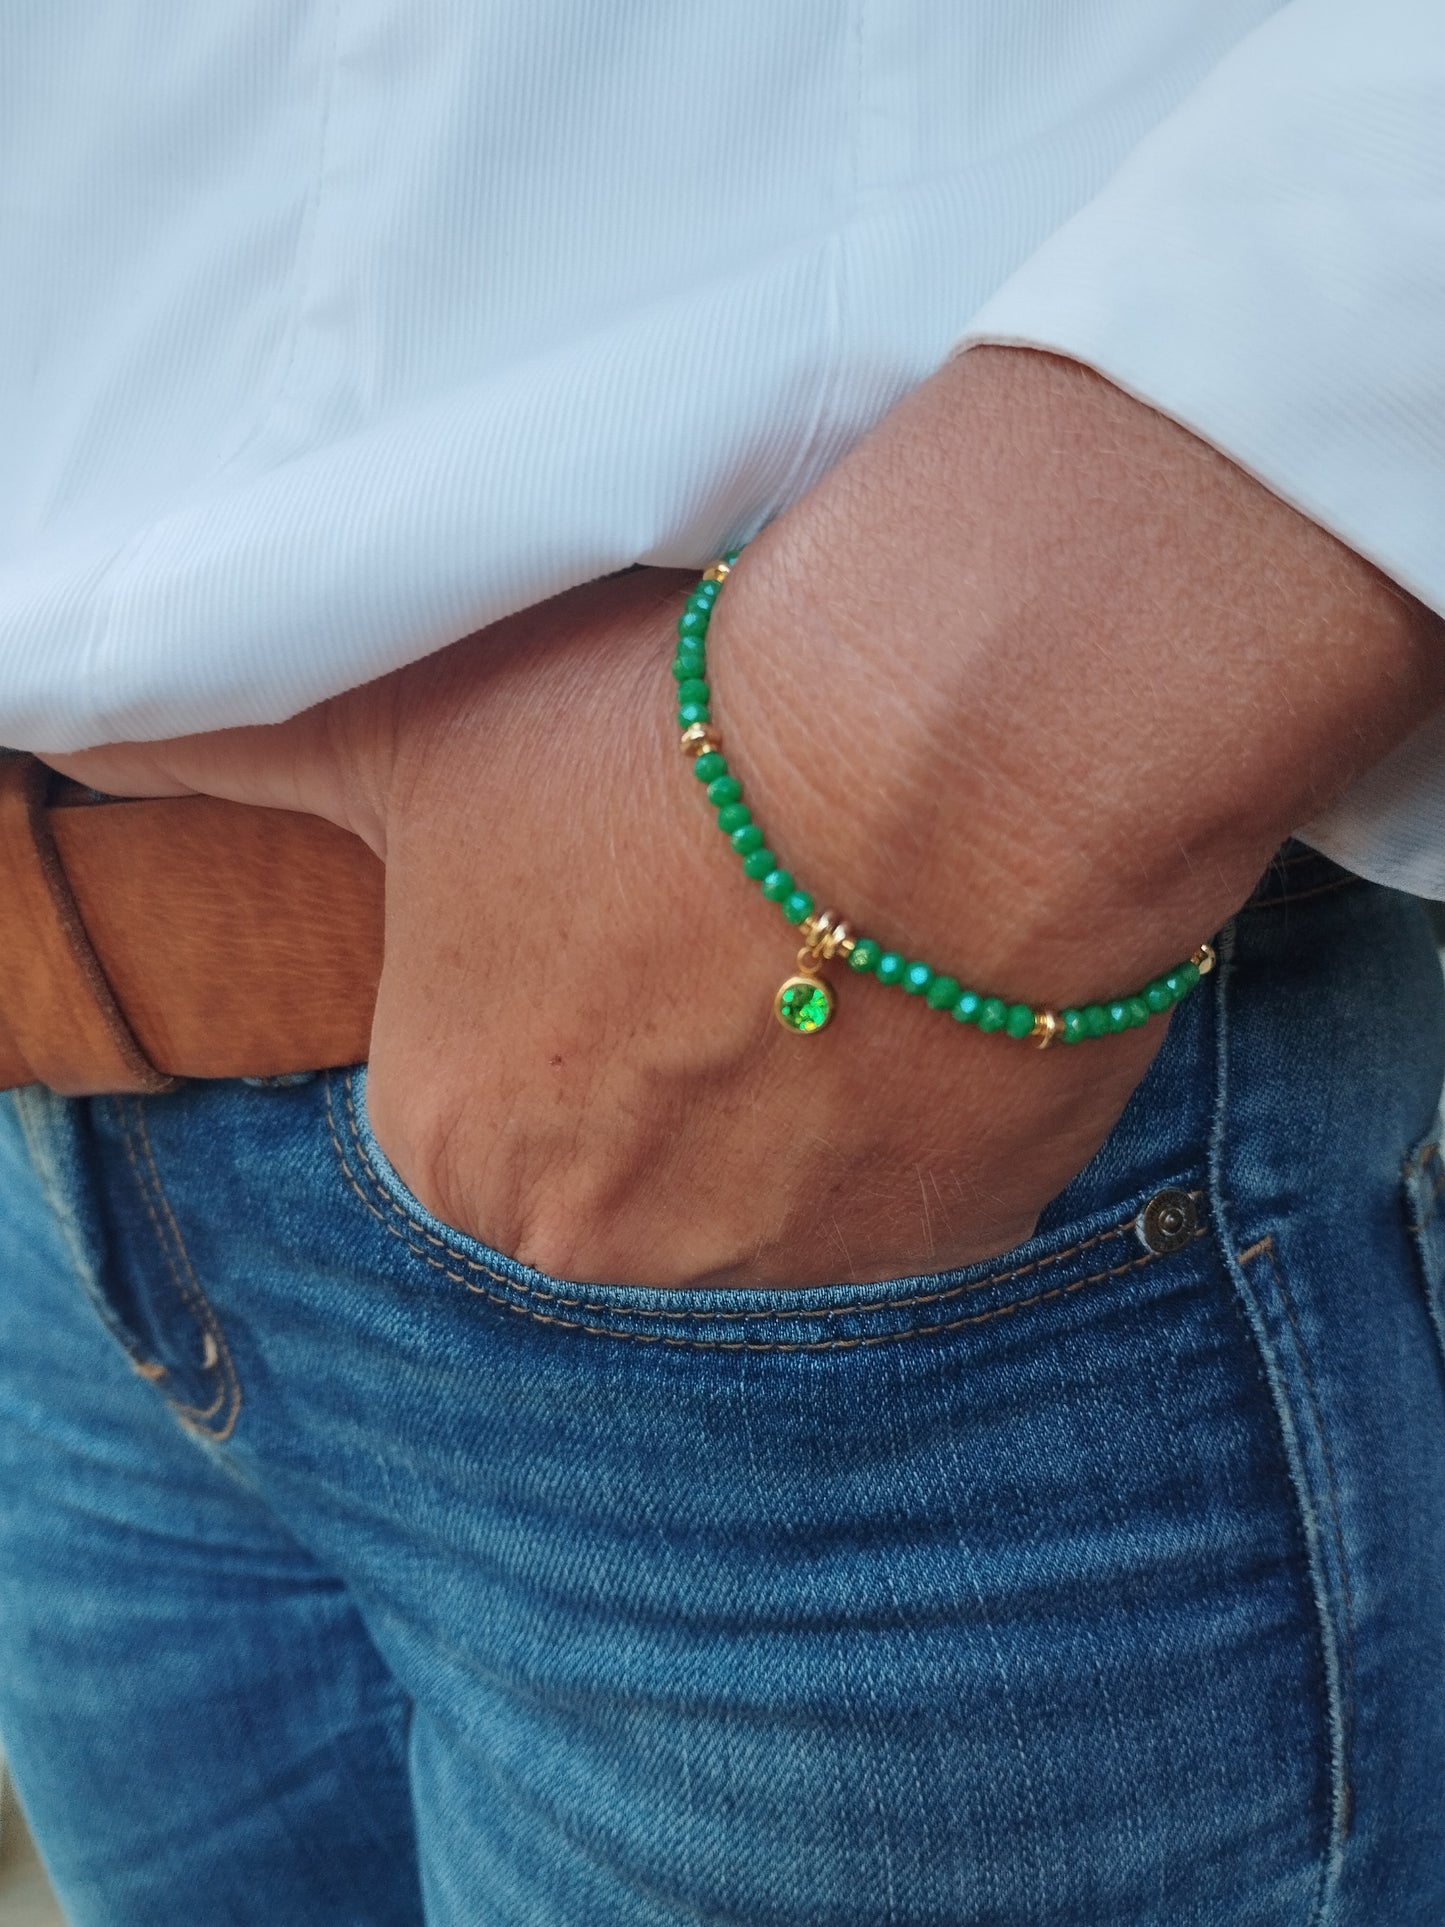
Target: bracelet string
[[806, 1000]]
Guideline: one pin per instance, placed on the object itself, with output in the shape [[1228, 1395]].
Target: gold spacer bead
[[717, 572], [826, 936], [813, 929], [1046, 1028], [833, 938], [698, 739], [1203, 959]]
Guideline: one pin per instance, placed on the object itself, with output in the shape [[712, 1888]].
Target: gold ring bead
[[812, 927], [827, 937], [805, 1002]]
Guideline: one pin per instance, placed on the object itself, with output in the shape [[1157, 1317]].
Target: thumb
[[293, 765]]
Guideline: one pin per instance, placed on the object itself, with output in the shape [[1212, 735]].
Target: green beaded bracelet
[[806, 1001]]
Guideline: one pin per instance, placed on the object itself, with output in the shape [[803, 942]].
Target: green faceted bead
[[1071, 1026], [724, 789], [942, 993], [968, 1006], [1138, 1010], [705, 592], [889, 968], [1095, 1020], [709, 766], [1176, 986], [1019, 1021], [1119, 1016], [992, 1013], [700, 601], [916, 979], [694, 690], [688, 664], [690, 713], [759, 863], [1158, 996], [864, 954], [777, 884], [1190, 973], [732, 556], [692, 623], [797, 906], [732, 816], [747, 839]]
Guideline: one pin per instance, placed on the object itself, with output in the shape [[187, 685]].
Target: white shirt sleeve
[[1268, 268]]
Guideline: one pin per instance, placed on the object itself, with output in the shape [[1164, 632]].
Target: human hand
[[574, 1055]]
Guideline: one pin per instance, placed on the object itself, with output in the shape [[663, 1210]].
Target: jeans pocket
[[1424, 1186], [932, 1562], [1079, 1253]]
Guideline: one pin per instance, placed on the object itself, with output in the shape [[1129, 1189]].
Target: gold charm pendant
[[804, 1002]]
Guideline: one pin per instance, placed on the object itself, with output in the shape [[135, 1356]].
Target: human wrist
[[1067, 751], [908, 847]]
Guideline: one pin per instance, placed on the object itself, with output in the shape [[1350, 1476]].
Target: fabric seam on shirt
[[117, 571], [825, 406]]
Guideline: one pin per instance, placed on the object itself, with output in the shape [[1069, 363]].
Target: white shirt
[[331, 330]]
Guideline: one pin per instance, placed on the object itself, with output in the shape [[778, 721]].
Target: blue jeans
[[353, 1573]]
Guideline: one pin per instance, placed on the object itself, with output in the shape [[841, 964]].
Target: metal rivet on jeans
[[1167, 1222]]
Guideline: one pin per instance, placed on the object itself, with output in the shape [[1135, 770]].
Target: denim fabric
[[352, 1573]]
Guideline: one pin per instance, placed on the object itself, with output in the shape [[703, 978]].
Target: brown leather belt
[[141, 942]]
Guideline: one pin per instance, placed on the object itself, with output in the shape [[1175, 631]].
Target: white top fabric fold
[[329, 333]]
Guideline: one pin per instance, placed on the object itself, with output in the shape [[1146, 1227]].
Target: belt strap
[[64, 1020], [142, 942]]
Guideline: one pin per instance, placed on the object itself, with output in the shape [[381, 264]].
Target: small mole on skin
[[554, 1060]]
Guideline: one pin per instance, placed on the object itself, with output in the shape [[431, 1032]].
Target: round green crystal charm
[[803, 1004]]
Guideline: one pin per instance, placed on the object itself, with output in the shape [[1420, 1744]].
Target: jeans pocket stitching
[[1304, 896], [1265, 1248], [1422, 1208], [1307, 1453], [218, 1419], [381, 1197], [23, 1102], [1422, 1215]]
